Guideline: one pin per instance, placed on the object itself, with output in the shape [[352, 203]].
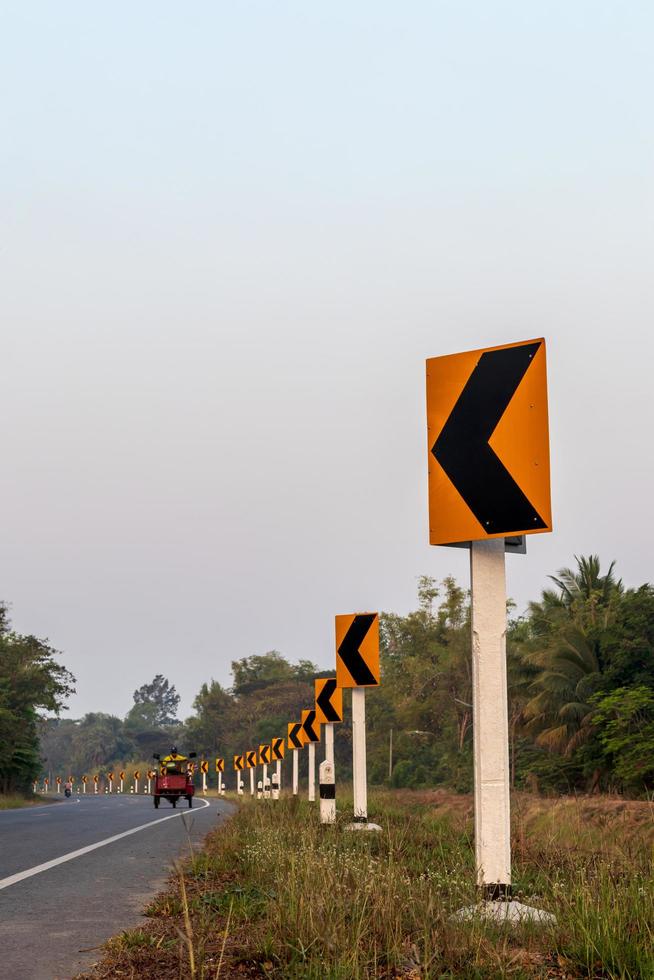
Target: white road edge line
[[22, 875]]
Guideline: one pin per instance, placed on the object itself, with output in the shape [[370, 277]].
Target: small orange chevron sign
[[220, 765], [239, 762], [96, 779], [121, 775], [58, 779], [329, 700], [264, 754], [251, 759], [110, 776], [310, 726], [85, 779], [151, 774], [295, 737], [137, 775], [488, 444], [204, 766], [357, 650], [277, 748]]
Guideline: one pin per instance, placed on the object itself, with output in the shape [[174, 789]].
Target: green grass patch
[[276, 894]]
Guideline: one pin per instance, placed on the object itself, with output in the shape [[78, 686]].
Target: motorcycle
[[68, 792]]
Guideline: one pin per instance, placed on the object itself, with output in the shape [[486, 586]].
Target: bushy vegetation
[[581, 697], [31, 681]]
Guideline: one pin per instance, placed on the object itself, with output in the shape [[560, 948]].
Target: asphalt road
[[52, 917]]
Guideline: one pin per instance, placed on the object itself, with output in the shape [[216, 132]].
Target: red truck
[[174, 785]]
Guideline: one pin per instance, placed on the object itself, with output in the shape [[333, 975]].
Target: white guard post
[[121, 785], [111, 785], [136, 786], [296, 772], [266, 782], [59, 787], [239, 783], [490, 718], [96, 787], [252, 782], [204, 783], [359, 767], [220, 784], [278, 773], [327, 792], [275, 784], [84, 788], [312, 772], [259, 789]]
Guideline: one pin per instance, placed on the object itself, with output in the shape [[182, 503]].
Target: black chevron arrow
[[349, 650], [324, 700], [463, 451], [264, 752], [277, 744], [308, 724], [293, 735], [251, 759]]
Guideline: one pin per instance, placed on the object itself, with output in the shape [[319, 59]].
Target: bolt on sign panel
[[277, 748], [357, 650], [310, 726], [329, 700], [488, 444], [296, 738]]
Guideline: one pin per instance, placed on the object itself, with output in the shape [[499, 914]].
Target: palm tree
[[567, 628]]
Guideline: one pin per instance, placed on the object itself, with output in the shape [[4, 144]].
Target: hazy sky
[[231, 234]]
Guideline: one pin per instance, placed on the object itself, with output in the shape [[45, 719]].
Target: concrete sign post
[[296, 772], [312, 772], [488, 450], [357, 667], [252, 781]]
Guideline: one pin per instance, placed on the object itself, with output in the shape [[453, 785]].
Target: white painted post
[[239, 784], [204, 783], [121, 785], [84, 788], [360, 777], [296, 772], [329, 743], [266, 782], [312, 772], [259, 789], [59, 787], [490, 718], [149, 785], [279, 774], [111, 785], [136, 786], [252, 781], [275, 785], [327, 792], [220, 784], [96, 789]]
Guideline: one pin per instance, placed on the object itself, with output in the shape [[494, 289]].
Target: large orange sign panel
[[488, 443], [357, 650]]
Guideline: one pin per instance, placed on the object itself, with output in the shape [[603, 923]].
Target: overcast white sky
[[231, 234]]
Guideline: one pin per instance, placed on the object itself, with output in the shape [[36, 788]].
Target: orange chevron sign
[[488, 444], [296, 738], [220, 765], [277, 748], [239, 762], [204, 766], [329, 700], [264, 754], [357, 650], [310, 726], [251, 759]]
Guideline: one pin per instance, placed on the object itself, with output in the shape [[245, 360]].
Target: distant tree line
[[581, 697]]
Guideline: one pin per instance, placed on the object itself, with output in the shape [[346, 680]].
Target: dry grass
[[274, 894]]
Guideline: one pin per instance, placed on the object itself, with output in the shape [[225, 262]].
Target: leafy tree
[[625, 719], [31, 681], [156, 703]]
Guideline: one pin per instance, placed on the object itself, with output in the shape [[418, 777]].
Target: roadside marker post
[[277, 747], [204, 769], [251, 764], [96, 780], [122, 781], [488, 452], [264, 759], [220, 768], [85, 780], [327, 791], [46, 783], [295, 743], [110, 777], [329, 711], [239, 763], [311, 729], [58, 782], [357, 667], [137, 776]]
